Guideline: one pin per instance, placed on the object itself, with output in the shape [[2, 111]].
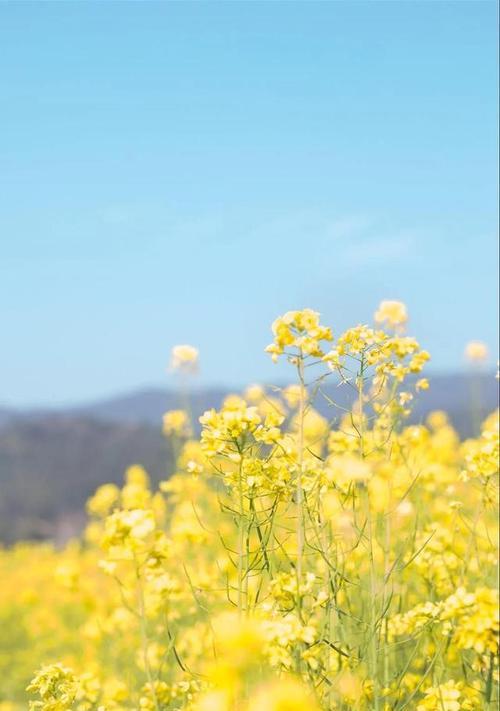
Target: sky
[[177, 172]]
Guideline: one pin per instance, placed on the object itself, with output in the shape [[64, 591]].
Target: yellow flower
[[346, 468], [350, 687], [392, 313], [184, 358], [215, 701], [254, 393], [476, 352], [176, 422], [137, 476], [103, 500], [286, 695]]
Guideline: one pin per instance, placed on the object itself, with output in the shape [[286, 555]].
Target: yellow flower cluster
[[482, 455], [299, 331], [470, 620], [57, 686], [450, 696], [236, 427]]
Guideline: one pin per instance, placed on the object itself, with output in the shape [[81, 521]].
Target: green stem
[[300, 494], [241, 535], [372, 647], [144, 635]]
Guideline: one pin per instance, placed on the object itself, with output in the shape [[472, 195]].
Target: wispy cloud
[[380, 251], [323, 241]]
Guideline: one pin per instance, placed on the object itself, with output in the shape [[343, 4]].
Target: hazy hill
[[148, 406], [49, 466], [51, 461], [452, 393]]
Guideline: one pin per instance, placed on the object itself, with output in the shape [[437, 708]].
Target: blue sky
[[185, 172]]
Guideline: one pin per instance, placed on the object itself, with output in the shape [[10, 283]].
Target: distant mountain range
[[452, 393], [52, 460]]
